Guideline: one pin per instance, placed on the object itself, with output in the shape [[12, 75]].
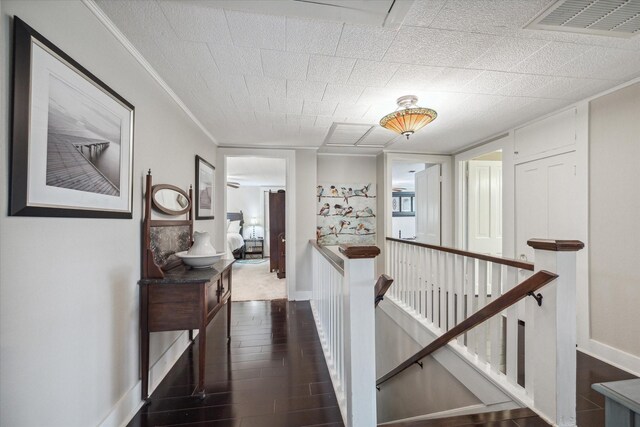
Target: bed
[[235, 242]]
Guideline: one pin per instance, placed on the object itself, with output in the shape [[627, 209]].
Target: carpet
[[251, 261], [254, 282]]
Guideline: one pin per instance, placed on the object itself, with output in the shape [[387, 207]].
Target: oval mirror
[[170, 200]]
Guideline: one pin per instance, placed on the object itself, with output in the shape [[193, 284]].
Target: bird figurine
[[324, 211], [334, 191], [343, 224], [348, 210], [363, 191], [333, 230], [347, 193], [318, 232], [339, 209], [320, 191]]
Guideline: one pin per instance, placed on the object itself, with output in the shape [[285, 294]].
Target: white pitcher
[[201, 244]]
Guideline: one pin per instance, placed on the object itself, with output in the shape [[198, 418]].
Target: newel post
[[359, 327], [550, 376]]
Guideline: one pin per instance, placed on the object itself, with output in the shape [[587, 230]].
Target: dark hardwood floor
[[273, 374]]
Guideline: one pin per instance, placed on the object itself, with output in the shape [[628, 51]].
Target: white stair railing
[[443, 286], [343, 307]]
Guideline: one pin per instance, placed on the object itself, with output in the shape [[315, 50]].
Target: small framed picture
[[395, 204], [406, 204], [205, 173], [72, 136]]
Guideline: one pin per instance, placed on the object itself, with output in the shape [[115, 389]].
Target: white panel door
[[545, 201], [428, 205], [484, 215]]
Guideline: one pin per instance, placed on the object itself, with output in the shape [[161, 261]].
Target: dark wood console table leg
[[228, 321], [144, 341], [202, 345], [202, 342]]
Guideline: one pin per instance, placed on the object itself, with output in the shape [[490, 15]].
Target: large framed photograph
[[205, 173], [72, 136]]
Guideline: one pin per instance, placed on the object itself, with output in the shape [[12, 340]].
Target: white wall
[[614, 229], [348, 169], [405, 225], [306, 201], [68, 286], [606, 136]]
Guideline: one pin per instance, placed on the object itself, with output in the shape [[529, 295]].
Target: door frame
[[502, 142], [384, 194], [290, 203]]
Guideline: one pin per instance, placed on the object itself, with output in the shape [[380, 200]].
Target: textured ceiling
[[256, 79]]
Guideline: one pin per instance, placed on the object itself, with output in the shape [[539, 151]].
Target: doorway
[[483, 201], [416, 201], [255, 187]]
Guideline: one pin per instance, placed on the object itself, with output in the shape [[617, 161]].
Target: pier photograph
[[72, 143], [83, 142]]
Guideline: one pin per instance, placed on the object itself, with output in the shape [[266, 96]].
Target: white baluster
[[435, 264], [459, 279], [512, 329], [429, 285], [495, 324], [470, 288], [449, 262], [481, 342], [422, 288]]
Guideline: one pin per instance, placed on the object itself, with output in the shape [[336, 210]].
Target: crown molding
[[108, 23]]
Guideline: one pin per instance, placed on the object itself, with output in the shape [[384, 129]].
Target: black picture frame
[[399, 209], [205, 189], [82, 169]]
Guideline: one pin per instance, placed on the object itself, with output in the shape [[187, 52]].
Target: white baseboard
[[129, 405], [613, 356], [300, 296]]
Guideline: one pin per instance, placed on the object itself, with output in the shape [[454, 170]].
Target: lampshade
[[254, 221], [409, 117]]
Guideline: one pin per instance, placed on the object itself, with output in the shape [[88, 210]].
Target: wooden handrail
[[382, 286], [333, 258], [494, 259], [509, 298]]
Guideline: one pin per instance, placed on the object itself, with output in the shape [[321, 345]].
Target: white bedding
[[234, 241]]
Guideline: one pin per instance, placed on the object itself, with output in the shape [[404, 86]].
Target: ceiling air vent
[[613, 18]]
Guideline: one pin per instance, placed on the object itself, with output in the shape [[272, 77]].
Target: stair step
[[468, 420]]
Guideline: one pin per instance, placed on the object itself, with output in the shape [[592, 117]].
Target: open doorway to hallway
[[256, 188], [416, 201]]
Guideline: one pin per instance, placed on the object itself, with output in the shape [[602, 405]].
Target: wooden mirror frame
[[158, 187], [151, 270]]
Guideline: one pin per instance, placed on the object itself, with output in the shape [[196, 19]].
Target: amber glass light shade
[[408, 118]]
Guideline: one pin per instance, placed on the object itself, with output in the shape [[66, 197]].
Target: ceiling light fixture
[[408, 118]]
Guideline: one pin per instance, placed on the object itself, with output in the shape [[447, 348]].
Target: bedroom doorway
[[255, 204]]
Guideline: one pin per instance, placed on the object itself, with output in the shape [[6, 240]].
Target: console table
[[184, 299], [622, 402]]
